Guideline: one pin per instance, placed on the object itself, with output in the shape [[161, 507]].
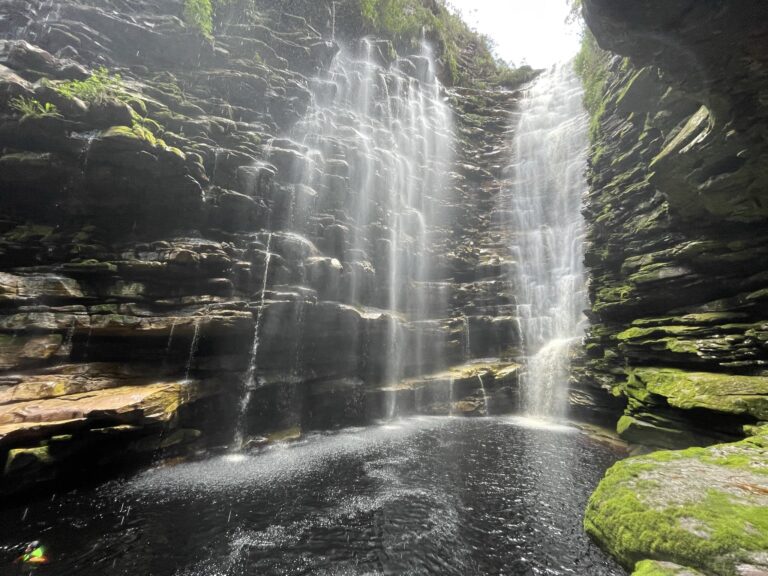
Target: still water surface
[[423, 496]]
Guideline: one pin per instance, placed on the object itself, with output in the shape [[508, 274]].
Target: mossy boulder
[[725, 393], [653, 568], [706, 508]]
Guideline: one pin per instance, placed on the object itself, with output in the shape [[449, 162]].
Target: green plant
[[514, 77], [466, 55], [591, 65], [98, 87], [32, 108], [199, 13]]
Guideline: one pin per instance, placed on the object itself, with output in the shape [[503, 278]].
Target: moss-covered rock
[[703, 507], [726, 393], [654, 568]]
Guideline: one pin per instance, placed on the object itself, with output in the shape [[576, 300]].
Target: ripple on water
[[442, 496]]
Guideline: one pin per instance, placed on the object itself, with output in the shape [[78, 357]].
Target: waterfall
[[192, 349], [375, 150], [250, 382], [484, 393], [547, 229]]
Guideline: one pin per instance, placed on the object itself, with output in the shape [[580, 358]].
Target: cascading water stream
[[250, 381], [548, 228], [376, 146], [484, 393], [192, 349]]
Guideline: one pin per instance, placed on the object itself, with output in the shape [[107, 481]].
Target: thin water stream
[[425, 496], [250, 382]]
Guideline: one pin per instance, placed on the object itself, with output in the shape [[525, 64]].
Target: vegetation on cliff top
[[591, 65], [467, 55]]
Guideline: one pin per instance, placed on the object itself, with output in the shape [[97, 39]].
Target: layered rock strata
[[165, 233], [678, 252]]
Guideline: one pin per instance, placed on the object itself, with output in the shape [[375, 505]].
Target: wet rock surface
[[675, 287], [676, 252], [174, 197]]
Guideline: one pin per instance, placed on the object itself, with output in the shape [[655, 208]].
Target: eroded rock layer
[[678, 249], [179, 259], [678, 253]]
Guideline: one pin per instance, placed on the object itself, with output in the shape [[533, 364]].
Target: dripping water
[[250, 381], [70, 336], [170, 337], [467, 342], [192, 349], [485, 394]]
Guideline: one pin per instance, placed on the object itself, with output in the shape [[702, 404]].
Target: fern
[[98, 87], [31, 108]]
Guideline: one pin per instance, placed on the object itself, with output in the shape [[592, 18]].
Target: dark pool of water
[[442, 496]]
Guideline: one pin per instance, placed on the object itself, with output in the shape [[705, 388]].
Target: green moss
[[705, 318], [636, 333], [20, 460], [653, 568], [613, 296], [635, 517], [624, 423], [727, 393], [656, 271], [120, 132], [90, 265], [141, 133]]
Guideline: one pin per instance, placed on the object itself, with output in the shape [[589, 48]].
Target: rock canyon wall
[[677, 257], [221, 237]]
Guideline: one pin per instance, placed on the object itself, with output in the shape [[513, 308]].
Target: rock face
[[677, 257], [677, 242], [181, 228], [704, 508]]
